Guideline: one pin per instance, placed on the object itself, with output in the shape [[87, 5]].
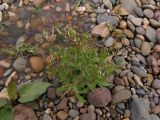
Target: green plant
[[80, 67], [23, 49], [27, 92]]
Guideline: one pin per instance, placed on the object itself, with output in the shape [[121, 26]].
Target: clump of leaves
[[23, 49], [27, 92], [80, 67]]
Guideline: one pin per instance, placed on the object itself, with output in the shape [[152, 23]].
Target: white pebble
[[0, 16], [5, 6], [81, 9]]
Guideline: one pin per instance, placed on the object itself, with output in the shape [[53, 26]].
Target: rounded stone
[[100, 97], [148, 13], [156, 84]]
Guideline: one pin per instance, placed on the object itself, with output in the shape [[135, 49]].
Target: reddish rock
[[88, 116], [63, 104], [152, 61], [100, 97], [37, 63], [51, 93], [22, 112], [156, 109], [119, 81]]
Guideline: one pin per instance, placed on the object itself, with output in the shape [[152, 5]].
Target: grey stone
[[73, 113], [95, 1], [154, 23], [140, 92], [151, 34], [46, 117], [140, 108], [110, 42], [131, 26], [101, 11], [1, 7], [119, 60], [141, 71], [138, 11], [156, 84], [113, 2], [107, 4], [137, 43], [107, 18], [148, 13], [154, 117], [140, 30], [129, 5], [121, 96], [20, 64], [136, 21]]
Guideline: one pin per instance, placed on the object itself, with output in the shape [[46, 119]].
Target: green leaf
[[6, 112], [12, 90], [32, 91], [80, 98], [3, 102]]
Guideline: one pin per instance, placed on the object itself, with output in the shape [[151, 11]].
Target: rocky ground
[[135, 93]]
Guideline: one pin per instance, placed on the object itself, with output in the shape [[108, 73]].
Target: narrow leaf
[[12, 90]]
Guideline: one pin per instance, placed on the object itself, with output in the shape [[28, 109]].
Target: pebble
[[91, 108], [121, 96], [2, 7], [138, 80], [156, 84], [140, 108], [145, 48], [51, 93], [136, 21], [110, 42], [73, 113], [140, 30], [0, 16], [141, 71], [107, 4], [46, 117], [148, 13], [100, 97], [37, 63], [62, 115], [138, 11], [123, 25], [158, 35], [98, 111], [88, 116], [20, 64], [28, 77], [58, 9], [81, 9], [151, 34], [100, 30], [38, 3]]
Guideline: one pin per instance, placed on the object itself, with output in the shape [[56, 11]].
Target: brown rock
[[100, 97], [62, 115], [88, 116], [156, 109], [37, 63], [123, 25], [152, 61], [101, 30], [22, 112], [121, 96], [63, 104], [119, 81], [156, 48], [129, 33], [38, 3], [51, 93]]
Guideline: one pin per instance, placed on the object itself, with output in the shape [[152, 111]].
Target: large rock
[[100, 97], [20, 64], [140, 108], [129, 5], [88, 116], [101, 30], [121, 96], [22, 112], [151, 34]]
